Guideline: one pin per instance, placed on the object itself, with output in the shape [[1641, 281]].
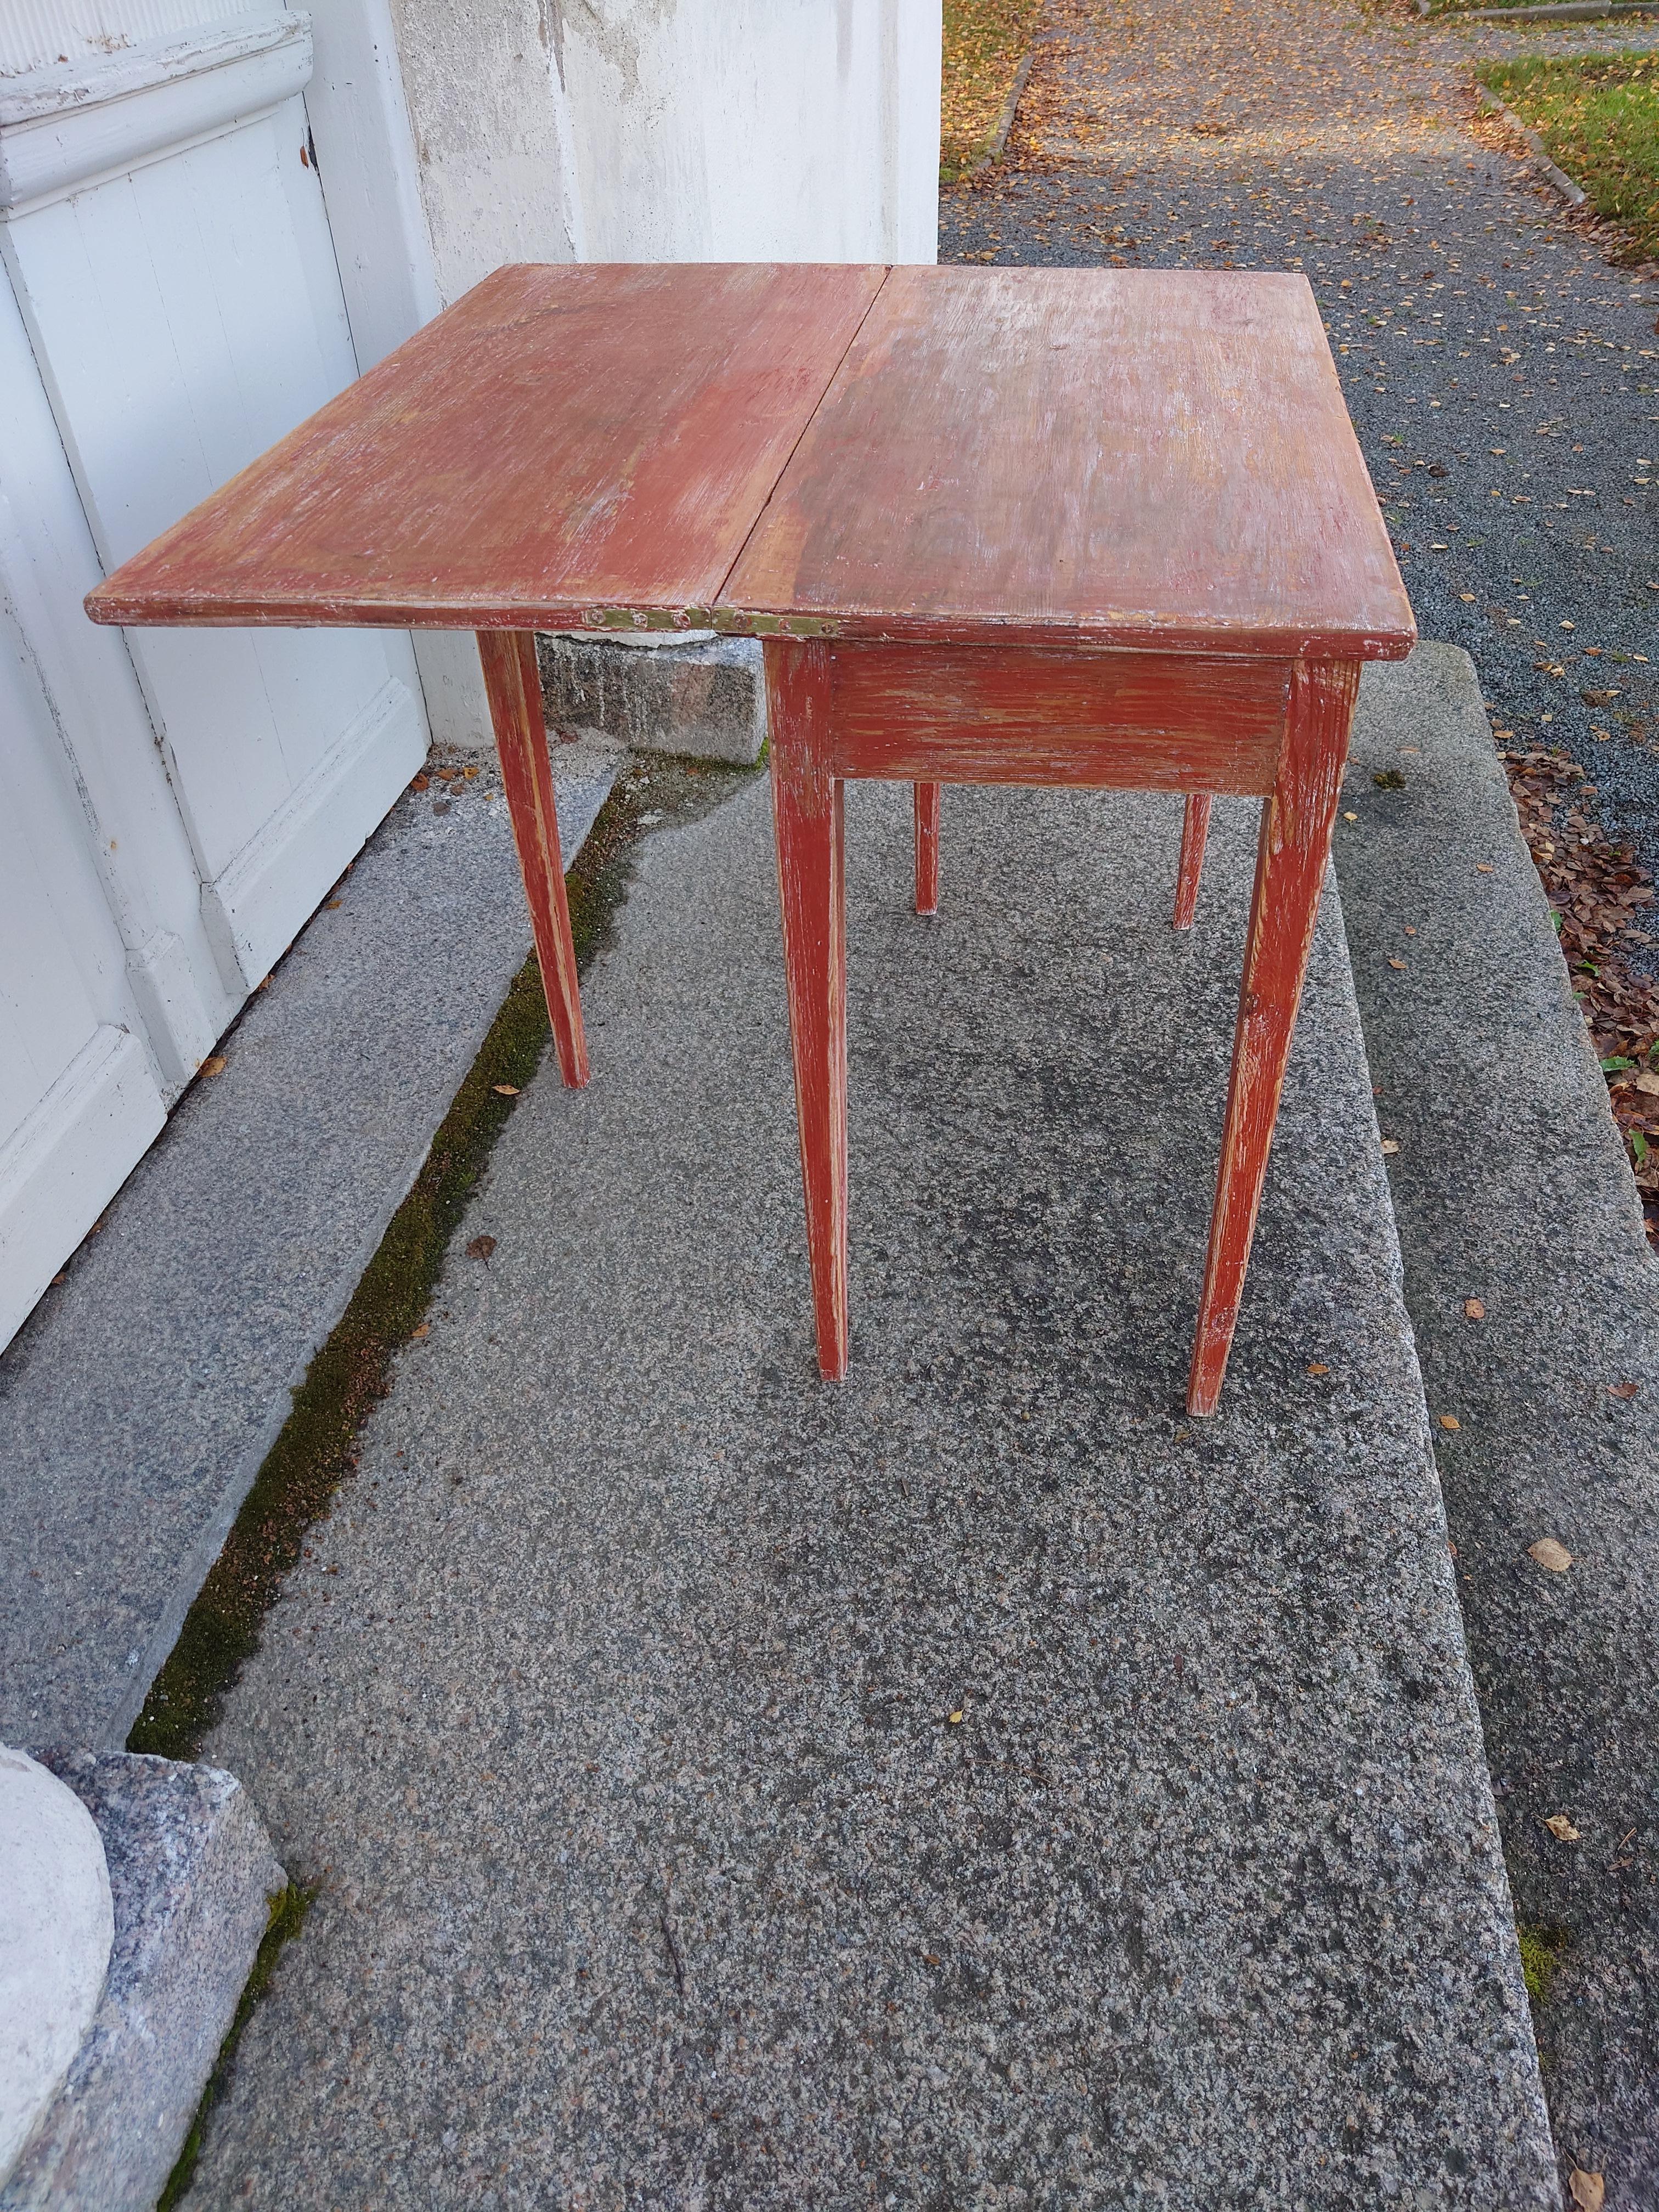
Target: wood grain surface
[[1158, 457], [514, 687], [1195, 835], [1128, 721], [564, 444], [807, 811], [1290, 871]]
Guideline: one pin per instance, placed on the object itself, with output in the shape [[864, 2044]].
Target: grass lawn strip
[[984, 42], [1598, 117]]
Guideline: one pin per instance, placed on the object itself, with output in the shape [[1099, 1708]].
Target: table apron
[[1037, 714]]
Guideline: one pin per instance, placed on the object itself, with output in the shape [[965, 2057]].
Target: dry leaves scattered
[[984, 42], [1601, 899]]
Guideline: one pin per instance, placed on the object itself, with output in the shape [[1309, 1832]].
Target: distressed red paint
[[1095, 527]]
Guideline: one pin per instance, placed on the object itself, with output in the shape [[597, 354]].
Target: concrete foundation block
[[192, 1875], [691, 693]]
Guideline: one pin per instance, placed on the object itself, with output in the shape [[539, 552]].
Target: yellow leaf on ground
[[1588, 2190], [215, 1065], [506, 1090], [1559, 1826], [1548, 1553], [1450, 1421], [1473, 1310], [1318, 1368]]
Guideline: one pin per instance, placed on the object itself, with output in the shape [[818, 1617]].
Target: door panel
[[79, 1101], [184, 316]]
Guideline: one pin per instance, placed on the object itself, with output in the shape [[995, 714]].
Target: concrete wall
[[492, 133], [671, 130], [755, 130]]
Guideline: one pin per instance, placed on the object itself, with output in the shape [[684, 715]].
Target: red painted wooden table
[[1107, 528]]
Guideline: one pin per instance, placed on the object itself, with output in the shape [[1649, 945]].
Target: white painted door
[[79, 1096], [171, 305]]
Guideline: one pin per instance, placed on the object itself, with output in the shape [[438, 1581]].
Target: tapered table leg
[[807, 807], [1194, 828], [927, 798], [1295, 837], [514, 684]]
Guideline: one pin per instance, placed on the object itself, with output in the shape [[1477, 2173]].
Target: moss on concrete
[[316, 1447], [288, 1909], [1542, 1950]]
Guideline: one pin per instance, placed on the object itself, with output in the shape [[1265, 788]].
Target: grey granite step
[[975, 1784], [1510, 1187], [138, 1402], [192, 1879]]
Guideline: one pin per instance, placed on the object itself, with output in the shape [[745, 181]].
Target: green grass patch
[[1598, 117], [1542, 1950], [288, 1909], [317, 1447], [984, 42]]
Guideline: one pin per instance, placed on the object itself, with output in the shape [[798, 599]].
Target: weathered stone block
[[192, 1875], [684, 693]]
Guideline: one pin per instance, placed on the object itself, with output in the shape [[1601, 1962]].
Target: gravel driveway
[[1502, 371]]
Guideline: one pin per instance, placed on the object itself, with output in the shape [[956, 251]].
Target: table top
[[565, 439], [1153, 458]]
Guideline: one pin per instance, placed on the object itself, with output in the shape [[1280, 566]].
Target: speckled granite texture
[[973, 1785], [1512, 1187], [138, 1400], [192, 1876]]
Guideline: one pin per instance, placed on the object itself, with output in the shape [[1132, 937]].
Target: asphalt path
[[1501, 367]]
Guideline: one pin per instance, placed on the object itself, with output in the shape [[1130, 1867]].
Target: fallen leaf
[[1351, 817], [481, 1248], [954, 1718], [421, 783], [505, 1090], [1614, 1390], [1473, 1310], [1558, 1825], [469, 772], [1450, 1421], [425, 1329], [333, 906], [214, 1065], [1318, 1368], [1648, 1083], [1483, 867], [1588, 2190], [1390, 1145], [1396, 964], [1548, 1553], [1465, 595]]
